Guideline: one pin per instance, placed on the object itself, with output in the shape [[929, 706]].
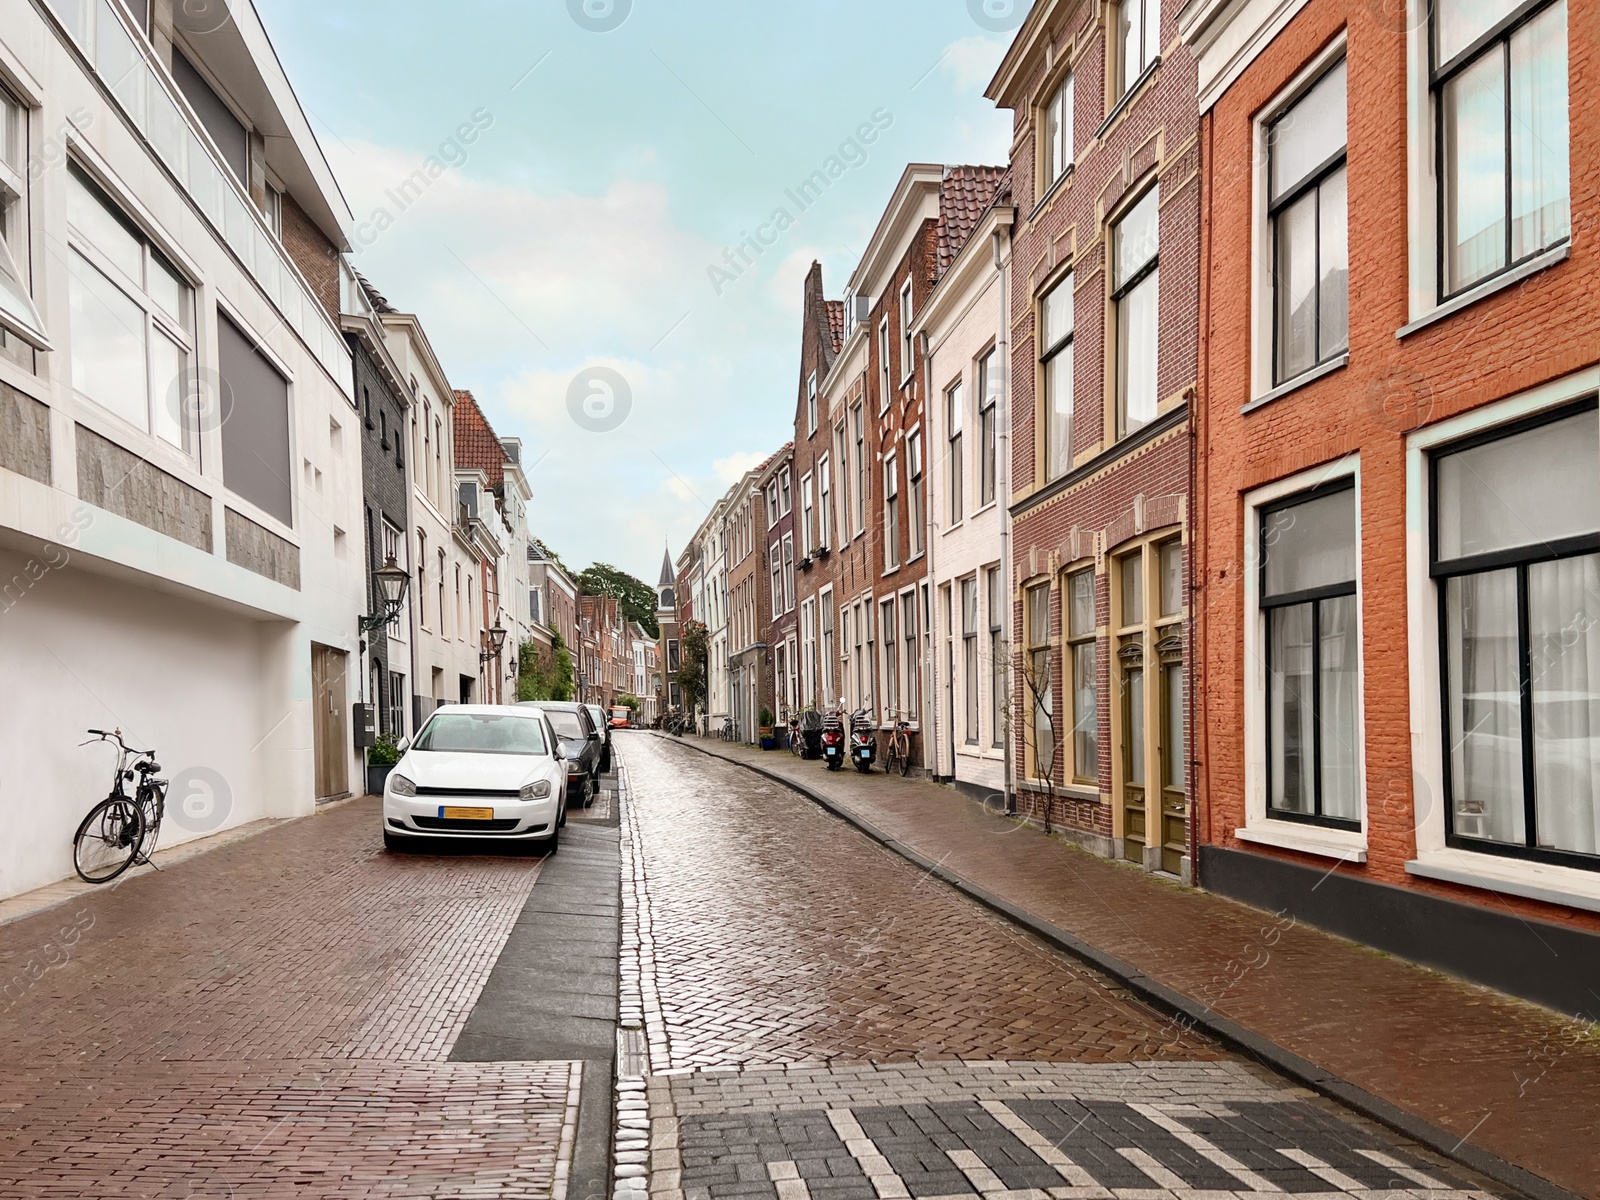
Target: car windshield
[[564, 723], [482, 733]]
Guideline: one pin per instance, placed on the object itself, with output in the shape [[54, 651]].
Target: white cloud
[[730, 470], [972, 61]]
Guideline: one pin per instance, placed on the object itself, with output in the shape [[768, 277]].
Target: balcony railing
[[144, 90]]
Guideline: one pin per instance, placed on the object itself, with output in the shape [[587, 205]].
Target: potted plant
[[381, 758], [768, 741]]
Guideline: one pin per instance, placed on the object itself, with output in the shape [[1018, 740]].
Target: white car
[[478, 771]]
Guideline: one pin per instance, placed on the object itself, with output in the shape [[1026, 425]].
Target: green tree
[[691, 677], [636, 598], [545, 674]]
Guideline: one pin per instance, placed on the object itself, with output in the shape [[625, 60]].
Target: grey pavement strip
[[1199, 1015]]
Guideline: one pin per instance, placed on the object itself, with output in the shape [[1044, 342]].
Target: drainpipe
[[931, 706], [1002, 422]]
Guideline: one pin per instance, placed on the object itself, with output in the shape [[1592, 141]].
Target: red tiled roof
[[964, 196], [836, 323], [477, 447]]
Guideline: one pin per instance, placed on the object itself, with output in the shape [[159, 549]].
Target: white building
[[445, 581], [180, 469], [964, 323]]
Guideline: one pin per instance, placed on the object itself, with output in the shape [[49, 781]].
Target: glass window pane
[[1340, 675], [1133, 682], [104, 228], [1172, 720], [1080, 588], [1058, 413], [1130, 32], [1310, 133], [1051, 135], [168, 290], [1512, 492], [1474, 168], [1459, 23], [1137, 334], [1057, 314], [1136, 237], [1171, 579], [108, 343], [1310, 545], [119, 63], [1132, 569], [167, 129], [1039, 615], [1564, 650], [1086, 711], [10, 133], [1291, 710], [1333, 266], [169, 381], [1485, 707], [1539, 213], [1296, 234], [1044, 743]]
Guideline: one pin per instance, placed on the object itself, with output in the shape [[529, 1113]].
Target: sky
[[599, 158]]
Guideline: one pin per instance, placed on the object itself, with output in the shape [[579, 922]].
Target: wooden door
[[328, 722], [1135, 827]]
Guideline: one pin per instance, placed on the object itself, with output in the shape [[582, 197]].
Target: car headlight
[[537, 791], [401, 786]]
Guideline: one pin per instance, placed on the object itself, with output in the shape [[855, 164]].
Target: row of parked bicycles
[[830, 737]]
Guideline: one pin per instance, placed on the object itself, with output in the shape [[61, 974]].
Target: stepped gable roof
[[477, 447], [836, 323], [964, 196]]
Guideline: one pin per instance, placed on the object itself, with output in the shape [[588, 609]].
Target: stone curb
[[1197, 1015]]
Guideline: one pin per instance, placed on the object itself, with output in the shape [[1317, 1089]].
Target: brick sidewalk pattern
[[273, 1018], [1517, 1080]]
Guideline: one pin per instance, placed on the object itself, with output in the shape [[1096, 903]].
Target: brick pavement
[[826, 1022], [273, 1018], [1515, 1079]]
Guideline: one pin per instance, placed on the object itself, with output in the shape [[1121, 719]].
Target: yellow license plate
[[467, 814]]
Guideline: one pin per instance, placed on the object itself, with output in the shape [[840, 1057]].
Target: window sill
[[1566, 886], [1540, 262], [1299, 381], [1050, 192], [1127, 99], [1324, 843]]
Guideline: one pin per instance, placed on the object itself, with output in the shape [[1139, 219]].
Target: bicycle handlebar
[[116, 736]]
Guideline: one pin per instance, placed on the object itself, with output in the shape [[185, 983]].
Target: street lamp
[[497, 641], [392, 582]]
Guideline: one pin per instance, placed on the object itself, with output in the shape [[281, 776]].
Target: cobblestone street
[[825, 1021]]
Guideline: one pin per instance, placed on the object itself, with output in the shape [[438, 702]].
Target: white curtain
[[1340, 677], [1564, 645], [1485, 707], [1292, 710]]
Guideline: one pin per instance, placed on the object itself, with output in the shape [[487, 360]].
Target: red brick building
[[1103, 296], [1398, 522]]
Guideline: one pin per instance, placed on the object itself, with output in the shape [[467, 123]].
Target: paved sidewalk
[[1508, 1077]]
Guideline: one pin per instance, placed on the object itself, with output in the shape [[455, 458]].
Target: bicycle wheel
[[903, 753], [108, 840]]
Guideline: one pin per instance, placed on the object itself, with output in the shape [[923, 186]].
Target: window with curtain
[[1516, 555], [829, 653], [775, 553], [969, 656], [891, 662], [1041, 682], [1084, 663], [916, 487], [997, 659], [1499, 87], [1055, 133], [912, 660], [1306, 204], [1138, 40], [808, 537], [1136, 291], [955, 466], [1308, 599], [907, 359], [891, 513], [858, 439], [811, 403], [886, 387], [1055, 358], [824, 503], [988, 392]]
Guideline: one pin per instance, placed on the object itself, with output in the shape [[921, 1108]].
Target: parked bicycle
[[897, 749], [729, 731], [121, 830]]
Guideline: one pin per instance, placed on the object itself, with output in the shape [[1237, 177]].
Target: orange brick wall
[[1540, 329]]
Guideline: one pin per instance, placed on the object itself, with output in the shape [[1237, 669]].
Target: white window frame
[[916, 497], [788, 572], [811, 403], [1149, 48], [1056, 153], [955, 453], [907, 357], [1066, 286], [827, 655], [824, 502], [808, 538], [775, 558], [883, 366], [987, 454], [1345, 845], [891, 512], [808, 650], [16, 241], [858, 432], [785, 504], [1262, 293], [1549, 882]]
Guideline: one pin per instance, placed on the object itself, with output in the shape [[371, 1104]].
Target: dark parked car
[[598, 715], [581, 744]]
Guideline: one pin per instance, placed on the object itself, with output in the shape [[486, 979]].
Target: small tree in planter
[[381, 758], [768, 742]]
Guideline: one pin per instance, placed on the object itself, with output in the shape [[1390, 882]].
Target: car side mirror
[[560, 757], [404, 745], [594, 735]]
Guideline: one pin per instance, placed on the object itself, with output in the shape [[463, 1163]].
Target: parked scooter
[[833, 740], [863, 740]]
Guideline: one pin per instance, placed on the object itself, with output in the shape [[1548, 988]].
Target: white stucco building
[[180, 469]]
